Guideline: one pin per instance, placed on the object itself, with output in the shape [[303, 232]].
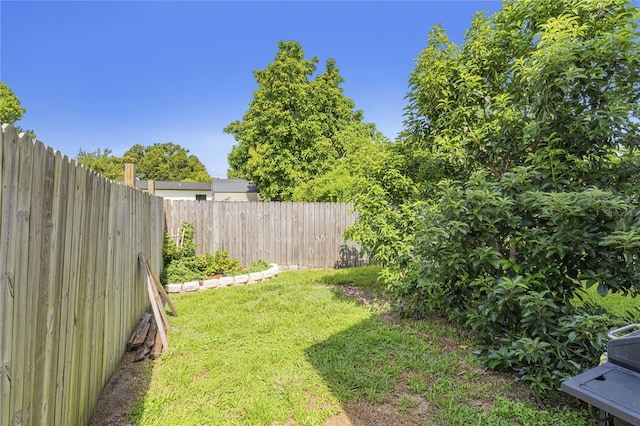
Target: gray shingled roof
[[233, 185], [218, 185], [163, 184]]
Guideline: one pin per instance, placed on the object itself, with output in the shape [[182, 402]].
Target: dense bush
[[217, 263], [183, 248], [509, 260], [178, 272], [521, 143], [181, 264]]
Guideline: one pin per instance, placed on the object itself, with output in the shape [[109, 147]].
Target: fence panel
[[304, 235], [71, 290]]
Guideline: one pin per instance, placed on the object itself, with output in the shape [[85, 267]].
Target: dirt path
[[127, 384]]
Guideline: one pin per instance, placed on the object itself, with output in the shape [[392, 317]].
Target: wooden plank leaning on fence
[[160, 288], [153, 289]]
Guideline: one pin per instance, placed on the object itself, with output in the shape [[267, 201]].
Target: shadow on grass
[[366, 367]]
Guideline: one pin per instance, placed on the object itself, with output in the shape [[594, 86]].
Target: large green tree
[[103, 162], [160, 161], [291, 131], [166, 161], [523, 143], [367, 171], [535, 80]]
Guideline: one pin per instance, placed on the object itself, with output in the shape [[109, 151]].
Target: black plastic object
[[613, 387]]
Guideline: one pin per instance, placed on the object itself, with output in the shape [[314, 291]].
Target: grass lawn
[[295, 350]]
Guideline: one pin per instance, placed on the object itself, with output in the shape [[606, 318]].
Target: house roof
[[218, 186], [233, 185], [188, 186]]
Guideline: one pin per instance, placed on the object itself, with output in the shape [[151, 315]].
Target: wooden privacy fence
[[303, 235], [71, 289]]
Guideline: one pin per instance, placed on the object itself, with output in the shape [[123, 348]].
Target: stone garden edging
[[201, 285]]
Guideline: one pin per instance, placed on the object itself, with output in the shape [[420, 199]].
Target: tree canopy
[[536, 80], [293, 130], [103, 162], [368, 170], [11, 110], [520, 145], [166, 161], [160, 161]]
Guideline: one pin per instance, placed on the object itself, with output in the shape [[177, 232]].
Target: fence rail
[[71, 289], [306, 235]]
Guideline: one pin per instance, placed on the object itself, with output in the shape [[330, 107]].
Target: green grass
[[293, 350]]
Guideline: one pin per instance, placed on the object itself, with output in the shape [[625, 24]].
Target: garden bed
[[224, 281]]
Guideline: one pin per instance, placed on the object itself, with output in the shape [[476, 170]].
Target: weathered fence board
[[306, 235], [8, 253], [20, 339], [53, 279], [71, 289]]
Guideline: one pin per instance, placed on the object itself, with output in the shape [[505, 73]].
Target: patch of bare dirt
[[404, 407], [127, 384], [338, 420], [367, 298], [362, 295]]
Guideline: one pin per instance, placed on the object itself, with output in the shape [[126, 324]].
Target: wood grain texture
[[305, 235], [70, 284]]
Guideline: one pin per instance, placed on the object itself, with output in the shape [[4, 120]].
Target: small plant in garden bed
[[257, 266], [178, 272], [181, 264], [217, 264]]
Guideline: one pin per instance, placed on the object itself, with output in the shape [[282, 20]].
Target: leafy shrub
[[181, 263], [258, 266], [218, 263], [170, 251], [543, 192], [187, 248], [508, 261], [186, 233], [178, 272]]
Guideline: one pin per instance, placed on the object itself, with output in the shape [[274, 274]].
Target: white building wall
[[181, 194]]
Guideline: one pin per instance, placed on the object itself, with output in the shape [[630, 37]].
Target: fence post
[[130, 174]]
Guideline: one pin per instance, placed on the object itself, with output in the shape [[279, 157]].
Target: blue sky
[[112, 74]]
